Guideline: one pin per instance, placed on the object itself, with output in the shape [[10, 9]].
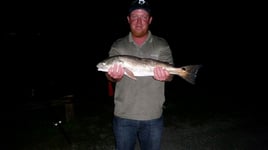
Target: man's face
[[139, 21]]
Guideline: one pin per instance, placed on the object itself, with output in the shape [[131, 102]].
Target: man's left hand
[[161, 73]]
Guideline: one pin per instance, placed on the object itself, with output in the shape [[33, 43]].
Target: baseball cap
[[140, 4]]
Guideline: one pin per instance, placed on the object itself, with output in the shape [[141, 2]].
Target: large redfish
[[136, 66]]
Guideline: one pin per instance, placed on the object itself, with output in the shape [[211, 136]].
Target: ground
[[91, 129]]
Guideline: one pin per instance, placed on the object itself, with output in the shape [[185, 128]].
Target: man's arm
[[110, 78]]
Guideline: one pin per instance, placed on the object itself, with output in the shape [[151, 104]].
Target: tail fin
[[190, 73]]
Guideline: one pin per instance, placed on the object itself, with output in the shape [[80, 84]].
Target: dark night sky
[[60, 43]]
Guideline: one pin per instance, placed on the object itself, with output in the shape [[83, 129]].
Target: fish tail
[[189, 73]]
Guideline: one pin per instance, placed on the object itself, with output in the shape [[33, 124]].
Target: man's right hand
[[116, 72]]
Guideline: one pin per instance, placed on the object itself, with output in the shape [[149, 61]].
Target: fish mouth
[[99, 69]]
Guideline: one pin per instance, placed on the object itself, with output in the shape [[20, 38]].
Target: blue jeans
[[126, 131]]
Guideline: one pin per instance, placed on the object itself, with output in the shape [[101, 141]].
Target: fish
[[138, 67]]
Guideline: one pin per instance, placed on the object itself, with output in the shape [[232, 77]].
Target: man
[[139, 103]]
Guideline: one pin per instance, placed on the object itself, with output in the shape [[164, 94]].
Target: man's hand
[[161, 74], [116, 72]]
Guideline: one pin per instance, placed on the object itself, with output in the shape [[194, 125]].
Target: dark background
[[54, 48]]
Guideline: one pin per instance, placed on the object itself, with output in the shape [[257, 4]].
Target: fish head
[[107, 63], [103, 66]]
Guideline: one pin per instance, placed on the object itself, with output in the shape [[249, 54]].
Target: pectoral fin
[[130, 74]]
